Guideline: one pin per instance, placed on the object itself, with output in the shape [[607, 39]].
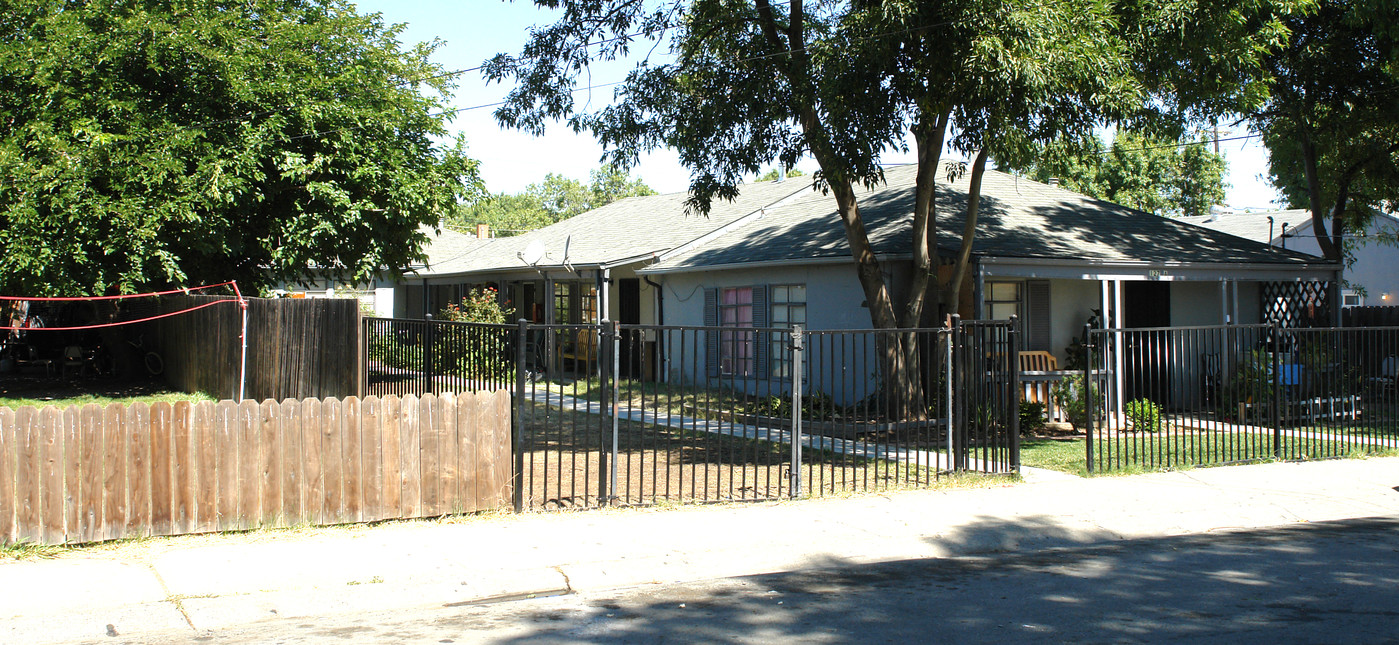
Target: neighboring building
[[1371, 279], [383, 295]]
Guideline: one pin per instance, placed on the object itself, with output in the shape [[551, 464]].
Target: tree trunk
[[953, 289], [1329, 249]]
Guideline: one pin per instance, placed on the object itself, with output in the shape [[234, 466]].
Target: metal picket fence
[[1186, 396], [639, 414]]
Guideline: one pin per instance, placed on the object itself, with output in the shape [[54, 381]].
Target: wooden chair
[[584, 348], [1039, 361]]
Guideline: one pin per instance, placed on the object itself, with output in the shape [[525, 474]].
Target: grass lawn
[[19, 391], [1143, 452]]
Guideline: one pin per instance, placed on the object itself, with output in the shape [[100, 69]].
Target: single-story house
[[1369, 280], [778, 255]]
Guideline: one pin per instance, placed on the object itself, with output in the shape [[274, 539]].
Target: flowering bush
[[480, 352], [479, 306]]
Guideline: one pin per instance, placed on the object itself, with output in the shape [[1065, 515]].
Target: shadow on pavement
[[1314, 582], [1320, 582]]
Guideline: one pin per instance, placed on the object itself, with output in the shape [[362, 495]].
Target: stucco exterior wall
[[843, 365]]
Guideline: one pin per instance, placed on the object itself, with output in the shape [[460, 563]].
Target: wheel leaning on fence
[[155, 365]]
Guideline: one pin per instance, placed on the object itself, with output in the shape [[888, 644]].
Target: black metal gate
[[637, 414]]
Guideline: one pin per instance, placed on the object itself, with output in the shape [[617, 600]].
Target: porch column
[[1336, 302], [550, 335], [1234, 310], [604, 295], [1103, 288], [1118, 318], [978, 294], [1224, 302], [427, 299]]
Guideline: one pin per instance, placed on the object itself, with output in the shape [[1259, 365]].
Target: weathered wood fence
[[87, 474], [1370, 317], [297, 348]]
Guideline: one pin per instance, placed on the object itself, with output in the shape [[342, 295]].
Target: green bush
[[1143, 415], [480, 352], [1032, 416], [479, 306], [1069, 392], [1251, 384], [387, 351]]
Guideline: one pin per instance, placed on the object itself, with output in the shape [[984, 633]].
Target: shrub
[[1144, 415], [1069, 392], [1251, 384], [479, 306], [1032, 416]]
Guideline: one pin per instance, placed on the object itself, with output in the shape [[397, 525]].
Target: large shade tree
[[1331, 121], [147, 144], [757, 83]]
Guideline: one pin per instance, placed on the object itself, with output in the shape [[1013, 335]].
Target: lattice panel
[[1298, 304]]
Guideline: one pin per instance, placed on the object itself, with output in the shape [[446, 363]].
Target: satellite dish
[[533, 253]]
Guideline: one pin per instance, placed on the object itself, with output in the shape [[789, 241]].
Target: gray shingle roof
[[1019, 219], [445, 244], [1254, 226], [628, 228]]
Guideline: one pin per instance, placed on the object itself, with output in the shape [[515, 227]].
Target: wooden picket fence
[[88, 474]]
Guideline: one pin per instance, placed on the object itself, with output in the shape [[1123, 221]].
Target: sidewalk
[[207, 583]]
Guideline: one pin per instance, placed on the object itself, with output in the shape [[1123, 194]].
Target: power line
[[786, 52]]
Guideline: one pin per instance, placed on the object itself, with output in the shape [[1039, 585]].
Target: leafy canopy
[[1164, 177], [553, 200], [148, 144], [1331, 123]]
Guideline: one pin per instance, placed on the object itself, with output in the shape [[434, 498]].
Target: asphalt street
[[1318, 582]]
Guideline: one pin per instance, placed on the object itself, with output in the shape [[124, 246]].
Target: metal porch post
[[1088, 394], [797, 366]]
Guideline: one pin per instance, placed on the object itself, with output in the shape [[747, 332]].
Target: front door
[[1146, 356], [629, 313]]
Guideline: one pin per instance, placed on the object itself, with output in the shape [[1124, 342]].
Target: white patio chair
[[1389, 375]]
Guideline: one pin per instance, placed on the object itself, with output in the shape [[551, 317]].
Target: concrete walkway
[[195, 584]]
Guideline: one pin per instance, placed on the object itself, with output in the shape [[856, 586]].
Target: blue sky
[[474, 30]]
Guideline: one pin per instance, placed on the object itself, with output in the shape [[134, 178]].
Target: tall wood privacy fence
[[1370, 317], [297, 348], [86, 474]]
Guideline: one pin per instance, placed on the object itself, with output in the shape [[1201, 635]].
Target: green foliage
[[1075, 353], [479, 306], [553, 200], [1032, 417], [1070, 393], [1252, 385], [146, 144], [1331, 123], [1140, 172], [390, 351], [771, 175], [814, 406], [846, 82], [478, 351], [1143, 415]]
